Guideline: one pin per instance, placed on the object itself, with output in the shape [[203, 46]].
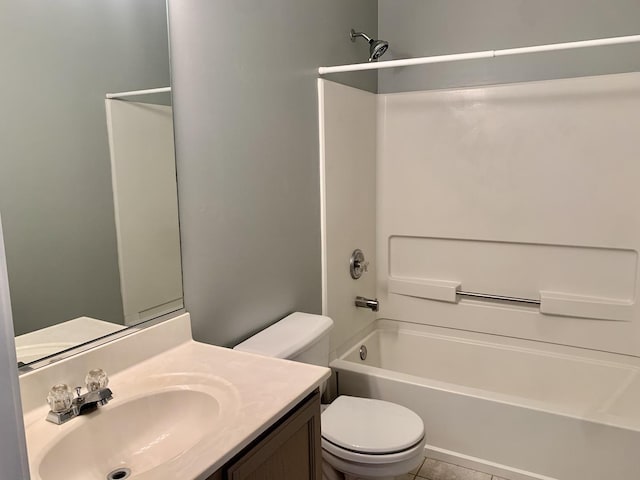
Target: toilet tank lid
[[289, 336]]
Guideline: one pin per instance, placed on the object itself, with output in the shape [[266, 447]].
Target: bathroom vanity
[[180, 409], [289, 449]]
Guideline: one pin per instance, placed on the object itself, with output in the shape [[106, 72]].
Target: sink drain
[[119, 474]]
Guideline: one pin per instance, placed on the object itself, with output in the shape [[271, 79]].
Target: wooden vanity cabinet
[[289, 450]]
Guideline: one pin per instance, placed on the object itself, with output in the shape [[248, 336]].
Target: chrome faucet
[[64, 406], [364, 302]]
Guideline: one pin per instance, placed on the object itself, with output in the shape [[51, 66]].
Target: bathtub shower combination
[[499, 226]]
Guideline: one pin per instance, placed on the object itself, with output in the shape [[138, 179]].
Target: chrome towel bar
[[549, 302], [487, 296]]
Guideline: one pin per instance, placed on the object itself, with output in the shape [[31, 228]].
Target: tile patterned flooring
[[436, 470]]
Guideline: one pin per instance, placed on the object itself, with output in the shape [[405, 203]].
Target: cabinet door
[[291, 451]]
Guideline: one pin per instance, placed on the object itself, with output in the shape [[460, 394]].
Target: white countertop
[[259, 390]]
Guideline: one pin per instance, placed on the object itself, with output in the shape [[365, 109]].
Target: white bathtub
[[517, 408]]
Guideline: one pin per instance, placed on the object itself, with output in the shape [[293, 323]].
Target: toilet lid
[[371, 426]]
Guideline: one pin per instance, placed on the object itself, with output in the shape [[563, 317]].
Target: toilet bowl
[[362, 438], [337, 468], [366, 439]]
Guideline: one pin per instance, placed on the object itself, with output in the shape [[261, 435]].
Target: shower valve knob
[[357, 264], [362, 266]]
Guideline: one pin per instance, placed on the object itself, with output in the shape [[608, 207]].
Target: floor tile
[[436, 470], [406, 477], [498, 478]]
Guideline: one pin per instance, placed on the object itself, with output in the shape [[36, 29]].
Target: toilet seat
[[373, 459], [371, 465], [371, 431]]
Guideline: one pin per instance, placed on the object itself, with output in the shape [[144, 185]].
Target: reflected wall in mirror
[[87, 189]]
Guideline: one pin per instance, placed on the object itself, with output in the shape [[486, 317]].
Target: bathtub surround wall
[[418, 28], [522, 190], [244, 87], [13, 449], [348, 132]]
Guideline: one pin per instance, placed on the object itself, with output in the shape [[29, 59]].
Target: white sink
[[134, 435], [140, 434], [180, 409]]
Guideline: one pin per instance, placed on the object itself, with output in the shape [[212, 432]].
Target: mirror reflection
[[87, 185]]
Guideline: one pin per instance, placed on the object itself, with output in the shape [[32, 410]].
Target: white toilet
[[362, 438]]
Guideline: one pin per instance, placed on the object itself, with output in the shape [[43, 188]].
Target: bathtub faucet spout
[[371, 303]]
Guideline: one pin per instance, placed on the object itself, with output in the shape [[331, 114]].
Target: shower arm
[[353, 35]]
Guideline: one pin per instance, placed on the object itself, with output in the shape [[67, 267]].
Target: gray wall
[[58, 60], [417, 28], [246, 119]]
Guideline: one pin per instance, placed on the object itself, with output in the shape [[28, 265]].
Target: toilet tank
[[302, 337]]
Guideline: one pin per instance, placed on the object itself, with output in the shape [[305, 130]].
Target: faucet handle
[[60, 398], [96, 379]]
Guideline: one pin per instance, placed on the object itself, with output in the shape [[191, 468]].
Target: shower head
[[376, 47]]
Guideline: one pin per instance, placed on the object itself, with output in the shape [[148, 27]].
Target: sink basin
[[152, 425], [137, 435]]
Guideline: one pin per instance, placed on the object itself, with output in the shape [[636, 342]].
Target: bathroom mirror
[[87, 186]]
